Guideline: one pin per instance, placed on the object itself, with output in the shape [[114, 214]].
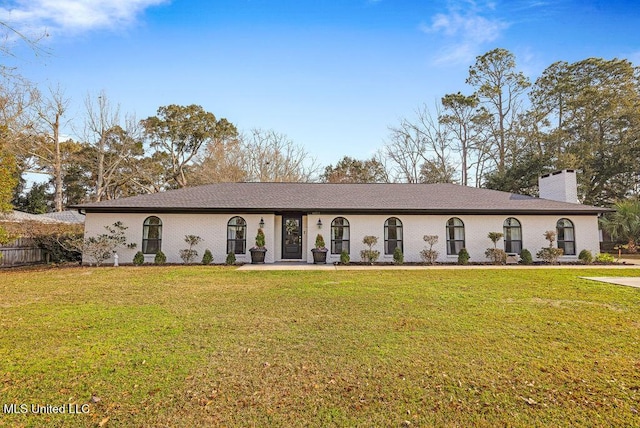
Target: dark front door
[[292, 236]]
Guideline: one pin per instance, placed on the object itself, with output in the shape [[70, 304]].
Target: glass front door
[[291, 236]]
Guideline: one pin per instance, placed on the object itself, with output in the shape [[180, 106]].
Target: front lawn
[[193, 346]]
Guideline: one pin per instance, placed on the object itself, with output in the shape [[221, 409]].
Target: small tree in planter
[[429, 256], [259, 251], [495, 254], [370, 255], [550, 254], [189, 255], [320, 251]]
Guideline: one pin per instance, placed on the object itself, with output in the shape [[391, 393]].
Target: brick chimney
[[559, 186]]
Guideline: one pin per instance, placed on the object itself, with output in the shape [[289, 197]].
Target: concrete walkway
[[629, 281]]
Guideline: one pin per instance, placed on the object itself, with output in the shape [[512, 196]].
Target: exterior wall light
[[261, 224], [319, 223]]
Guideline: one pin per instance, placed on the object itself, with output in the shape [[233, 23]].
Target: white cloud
[[56, 16], [465, 33]]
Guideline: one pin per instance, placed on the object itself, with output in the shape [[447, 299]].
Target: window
[[392, 235], [455, 236], [152, 235], [339, 235], [237, 236], [566, 236], [512, 236]]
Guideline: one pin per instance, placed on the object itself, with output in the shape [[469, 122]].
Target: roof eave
[[452, 211]]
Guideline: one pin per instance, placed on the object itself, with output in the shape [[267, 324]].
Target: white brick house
[[228, 215]]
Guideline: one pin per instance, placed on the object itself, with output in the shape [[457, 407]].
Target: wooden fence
[[22, 251]]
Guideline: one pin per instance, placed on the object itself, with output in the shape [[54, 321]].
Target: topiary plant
[[260, 239], [207, 258], [463, 256], [188, 255], [138, 259], [160, 258], [370, 255], [525, 257], [550, 254], [429, 256], [231, 258], [585, 257], [398, 257], [320, 243]]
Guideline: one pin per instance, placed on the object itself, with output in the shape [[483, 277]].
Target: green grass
[[193, 346]]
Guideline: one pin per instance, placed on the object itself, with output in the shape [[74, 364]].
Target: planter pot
[[257, 255], [319, 256]]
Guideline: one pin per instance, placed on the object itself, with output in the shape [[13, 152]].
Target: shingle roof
[[20, 216], [315, 197], [66, 216]]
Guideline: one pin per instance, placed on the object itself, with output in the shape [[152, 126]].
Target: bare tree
[[100, 119], [273, 157], [420, 146], [41, 141]]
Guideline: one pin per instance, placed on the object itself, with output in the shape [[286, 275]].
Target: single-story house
[[227, 217]]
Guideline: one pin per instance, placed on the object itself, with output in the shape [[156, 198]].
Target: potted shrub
[[320, 251], [259, 251]]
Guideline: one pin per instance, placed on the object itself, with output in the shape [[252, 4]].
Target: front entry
[[291, 236]]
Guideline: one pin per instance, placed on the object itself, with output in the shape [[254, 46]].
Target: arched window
[[237, 236], [392, 235], [339, 235], [152, 235], [566, 236], [512, 236], [455, 236]]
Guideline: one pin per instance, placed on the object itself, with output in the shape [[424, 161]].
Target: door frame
[[295, 216]]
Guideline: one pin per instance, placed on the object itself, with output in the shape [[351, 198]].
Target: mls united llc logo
[[69, 409]]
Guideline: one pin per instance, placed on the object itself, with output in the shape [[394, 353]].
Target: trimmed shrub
[[463, 257], [189, 255], [525, 257], [429, 256], [585, 257], [605, 258], [370, 255], [231, 259], [398, 257], [207, 258], [138, 259], [160, 258], [344, 257], [496, 255], [550, 254]]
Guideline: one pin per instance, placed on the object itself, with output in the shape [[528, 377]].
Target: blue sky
[[331, 74]]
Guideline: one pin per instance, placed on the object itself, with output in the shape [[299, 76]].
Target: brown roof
[[310, 197]]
